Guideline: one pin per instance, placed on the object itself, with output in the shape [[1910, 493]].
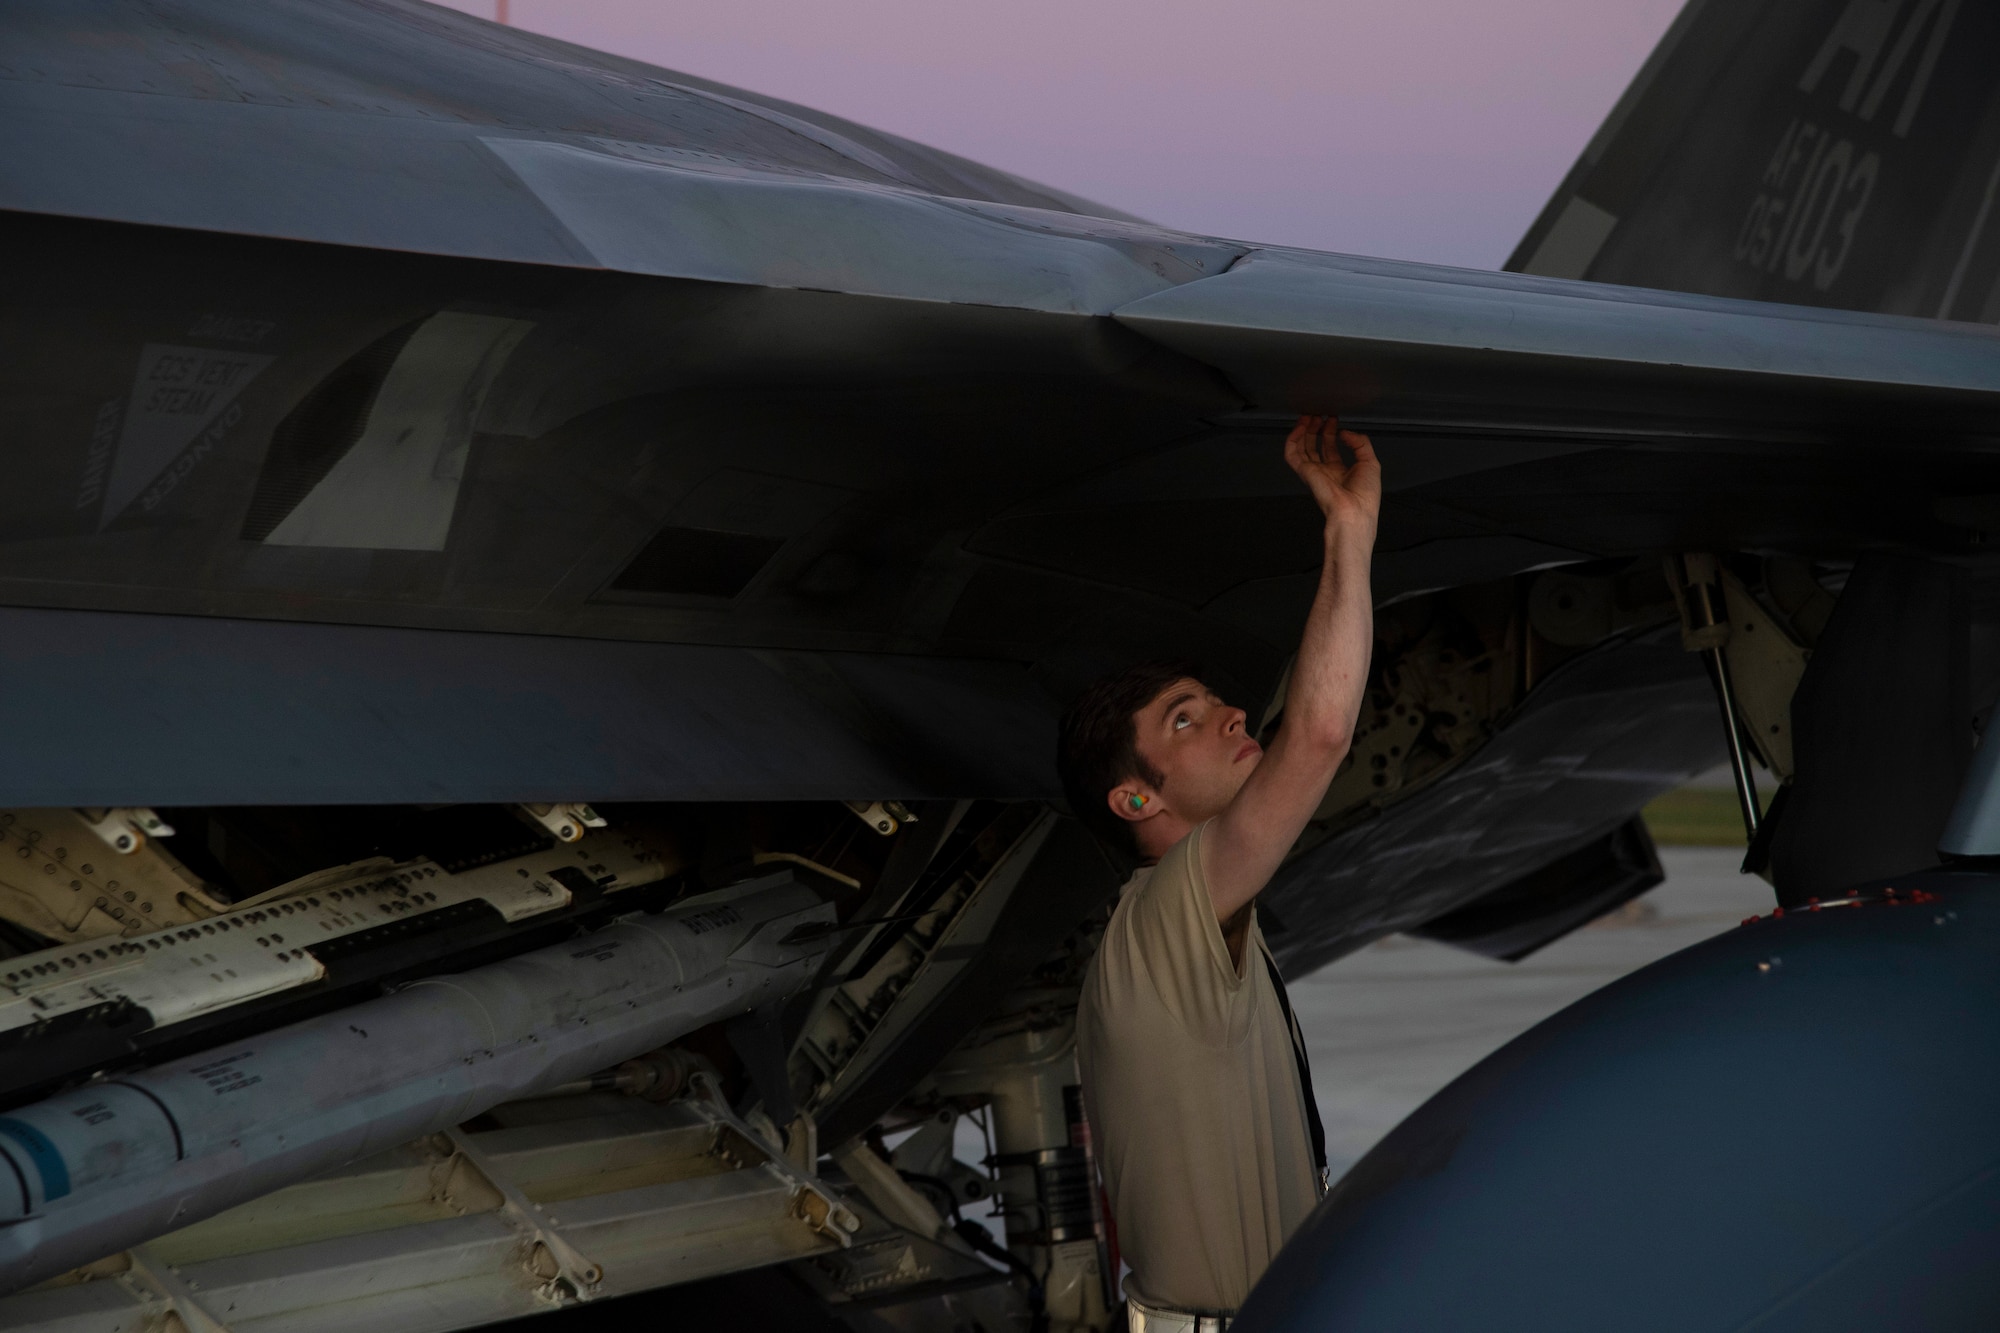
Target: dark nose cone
[[1793, 1126]]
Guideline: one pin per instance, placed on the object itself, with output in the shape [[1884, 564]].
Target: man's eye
[[1180, 721]]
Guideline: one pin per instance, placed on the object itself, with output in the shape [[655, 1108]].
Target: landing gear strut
[[1697, 583]]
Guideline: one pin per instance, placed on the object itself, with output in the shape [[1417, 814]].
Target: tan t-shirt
[[1192, 1089]]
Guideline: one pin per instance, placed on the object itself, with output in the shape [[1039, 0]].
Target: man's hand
[[1347, 493]]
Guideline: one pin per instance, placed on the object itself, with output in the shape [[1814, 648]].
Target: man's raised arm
[[1246, 842]]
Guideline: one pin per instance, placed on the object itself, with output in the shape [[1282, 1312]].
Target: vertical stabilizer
[[1823, 152]]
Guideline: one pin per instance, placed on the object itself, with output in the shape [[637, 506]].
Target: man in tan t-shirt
[[1194, 1074]]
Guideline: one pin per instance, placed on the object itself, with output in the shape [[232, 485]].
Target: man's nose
[[1233, 721]]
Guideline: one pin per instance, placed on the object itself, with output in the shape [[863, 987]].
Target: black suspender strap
[[1305, 1069]]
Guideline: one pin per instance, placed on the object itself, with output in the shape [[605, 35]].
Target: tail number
[[1803, 221]]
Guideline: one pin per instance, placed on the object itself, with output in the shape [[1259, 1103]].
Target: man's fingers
[[1306, 428], [1363, 478], [1302, 445], [1315, 445]]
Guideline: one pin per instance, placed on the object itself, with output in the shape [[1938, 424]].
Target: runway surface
[[1391, 1025]]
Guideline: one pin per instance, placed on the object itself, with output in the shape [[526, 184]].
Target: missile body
[[112, 1164]]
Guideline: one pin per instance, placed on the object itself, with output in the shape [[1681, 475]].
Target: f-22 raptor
[[535, 590]]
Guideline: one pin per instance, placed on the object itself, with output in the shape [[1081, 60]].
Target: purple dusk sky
[[1410, 129]]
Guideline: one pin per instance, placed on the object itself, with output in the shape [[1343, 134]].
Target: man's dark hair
[[1097, 745]]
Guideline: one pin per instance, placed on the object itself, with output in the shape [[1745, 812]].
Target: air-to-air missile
[[112, 1163]]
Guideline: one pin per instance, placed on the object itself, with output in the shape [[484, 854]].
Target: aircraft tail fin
[[1823, 152]]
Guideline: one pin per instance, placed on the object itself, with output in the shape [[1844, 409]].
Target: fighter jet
[[537, 590]]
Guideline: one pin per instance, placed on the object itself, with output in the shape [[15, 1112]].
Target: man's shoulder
[[1118, 950], [1141, 897], [1180, 861], [1175, 878], [1161, 926]]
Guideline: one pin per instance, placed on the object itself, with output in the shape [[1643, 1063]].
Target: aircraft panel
[[1600, 737], [1317, 333], [204, 710]]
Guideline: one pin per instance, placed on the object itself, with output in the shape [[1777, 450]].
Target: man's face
[[1200, 745]]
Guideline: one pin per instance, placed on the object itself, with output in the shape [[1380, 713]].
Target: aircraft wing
[[1418, 346], [834, 268], [761, 456]]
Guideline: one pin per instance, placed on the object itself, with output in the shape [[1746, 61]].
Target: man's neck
[[1158, 835]]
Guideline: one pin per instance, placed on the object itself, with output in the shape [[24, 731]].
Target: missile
[[114, 1163]]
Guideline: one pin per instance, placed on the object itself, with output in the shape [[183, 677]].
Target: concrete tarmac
[[1391, 1025]]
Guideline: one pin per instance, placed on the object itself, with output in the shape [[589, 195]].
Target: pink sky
[[1412, 129]]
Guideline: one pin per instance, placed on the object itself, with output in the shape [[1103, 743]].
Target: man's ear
[[1133, 802]]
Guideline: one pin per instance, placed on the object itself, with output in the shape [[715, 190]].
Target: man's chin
[[1240, 771]]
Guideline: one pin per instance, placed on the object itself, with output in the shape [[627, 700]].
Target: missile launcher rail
[[114, 1162], [302, 948]]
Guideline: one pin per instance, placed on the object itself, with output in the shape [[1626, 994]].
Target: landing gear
[[1705, 628]]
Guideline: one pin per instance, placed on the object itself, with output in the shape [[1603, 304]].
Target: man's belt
[[1151, 1319]]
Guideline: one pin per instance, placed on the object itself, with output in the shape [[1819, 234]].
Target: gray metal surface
[[107, 1166], [1773, 1129], [1326, 332], [1812, 151], [247, 712], [161, 123], [936, 407], [1882, 732]]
